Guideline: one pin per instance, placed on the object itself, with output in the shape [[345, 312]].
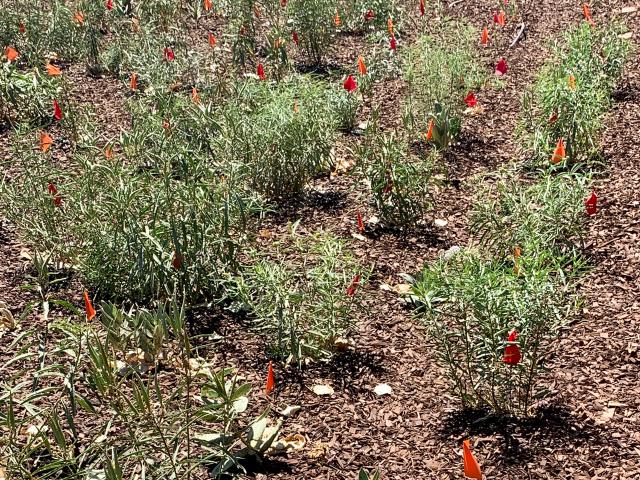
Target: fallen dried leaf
[[342, 344], [288, 443], [382, 389], [318, 449], [402, 288], [440, 223], [608, 414], [6, 317], [322, 390], [474, 111], [290, 410]]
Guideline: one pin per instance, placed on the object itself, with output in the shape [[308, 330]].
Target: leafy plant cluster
[[133, 234], [471, 303], [546, 215], [304, 295], [38, 33], [494, 310], [279, 137], [572, 94], [441, 69], [318, 22], [99, 407], [168, 213], [25, 95], [399, 179], [514, 290]]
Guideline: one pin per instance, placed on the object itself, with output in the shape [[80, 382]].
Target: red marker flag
[[591, 204], [471, 100], [501, 67], [512, 355], [559, 153], [351, 289], [350, 84], [57, 111], [484, 38], [271, 381]]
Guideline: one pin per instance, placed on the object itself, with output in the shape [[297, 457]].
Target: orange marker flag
[[195, 96], [88, 307], [390, 26], [517, 252], [271, 381], [53, 71], [337, 20], [45, 141], [133, 83], [559, 153], [108, 153], [207, 5], [572, 82], [78, 17], [502, 18], [362, 67], [471, 467], [587, 14], [11, 53], [212, 40], [430, 130], [484, 38]]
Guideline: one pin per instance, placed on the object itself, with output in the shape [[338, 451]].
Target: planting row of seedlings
[[495, 308]]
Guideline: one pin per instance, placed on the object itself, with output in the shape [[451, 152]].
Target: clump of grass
[[133, 234], [106, 397], [26, 96], [279, 136], [547, 215], [441, 69], [400, 181], [572, 94], [303, 296], [470, 305]]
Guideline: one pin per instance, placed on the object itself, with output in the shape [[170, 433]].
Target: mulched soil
[[589, 429]]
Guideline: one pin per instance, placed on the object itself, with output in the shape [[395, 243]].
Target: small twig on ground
[[519, 34]]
